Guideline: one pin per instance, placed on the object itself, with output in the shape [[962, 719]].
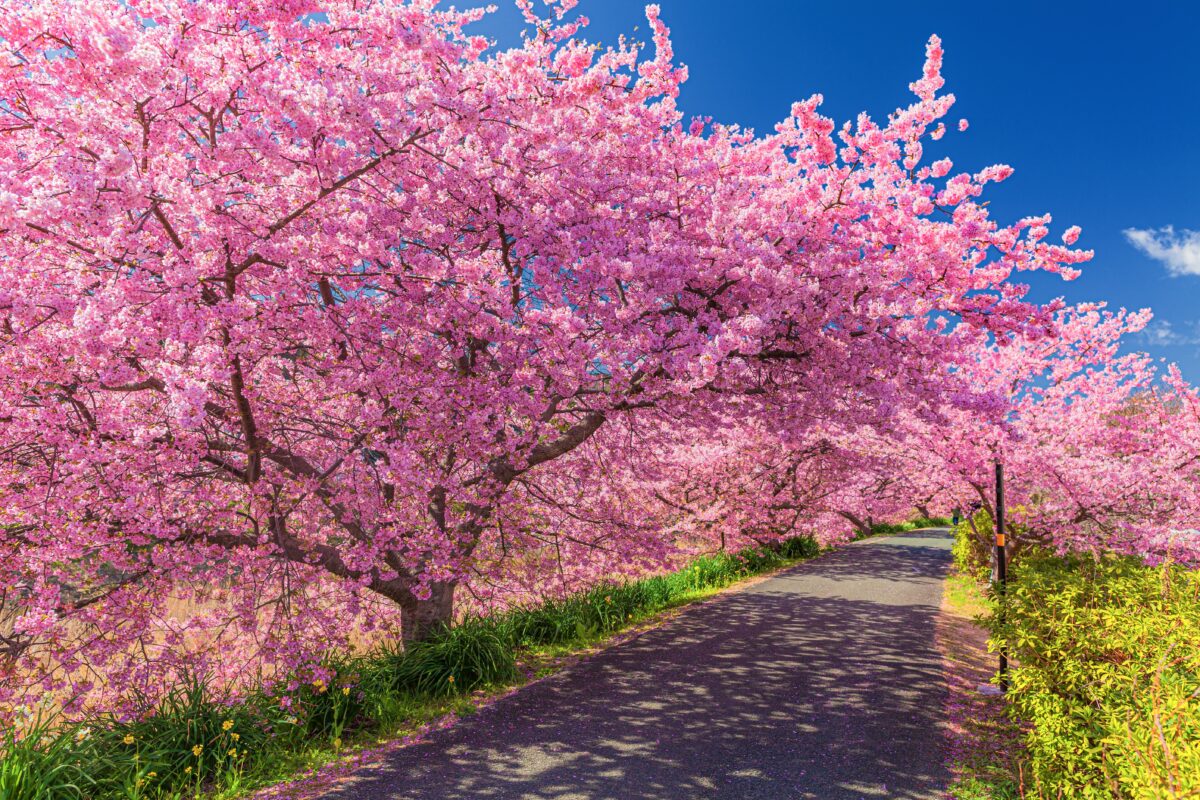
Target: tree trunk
[[864, 528], [422, 618], [924, 511]]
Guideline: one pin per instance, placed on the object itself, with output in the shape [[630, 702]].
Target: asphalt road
[[821, 682]]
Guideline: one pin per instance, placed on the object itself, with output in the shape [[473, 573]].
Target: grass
[[44, 763], [199, 744], [986, 743], [964, 595], [986, 750]]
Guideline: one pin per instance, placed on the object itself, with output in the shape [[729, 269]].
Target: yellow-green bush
[[973, 545], [1107, 677]]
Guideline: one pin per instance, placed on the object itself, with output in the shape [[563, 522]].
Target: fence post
[[1001, 567]]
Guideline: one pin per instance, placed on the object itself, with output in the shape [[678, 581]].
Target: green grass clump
[[1107, 678], [195, 744], [43, 762], [476, 652], [189, 741]]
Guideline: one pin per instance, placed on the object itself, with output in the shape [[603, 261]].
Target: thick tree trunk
[[420, 619], [924, 511]]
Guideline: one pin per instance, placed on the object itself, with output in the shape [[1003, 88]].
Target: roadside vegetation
[[200, 744], [916, 523], [1105, 685], [985, 745]]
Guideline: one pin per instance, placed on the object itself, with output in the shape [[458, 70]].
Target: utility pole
[[1001, 566]]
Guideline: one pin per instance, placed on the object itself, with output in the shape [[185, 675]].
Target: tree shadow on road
[[824, 682]]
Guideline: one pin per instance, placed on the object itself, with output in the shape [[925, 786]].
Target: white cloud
[[1161, 332], [1179, 252]]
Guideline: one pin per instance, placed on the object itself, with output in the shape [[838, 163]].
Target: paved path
[[822, 682]]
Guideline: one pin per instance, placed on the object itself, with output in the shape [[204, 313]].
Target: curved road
[[822, 682]]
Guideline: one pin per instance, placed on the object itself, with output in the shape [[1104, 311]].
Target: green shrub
[[754, 561], [1107, 677], [799, 547], [552, 623]]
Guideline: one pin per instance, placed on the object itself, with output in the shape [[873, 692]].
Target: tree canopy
[[317, 311]]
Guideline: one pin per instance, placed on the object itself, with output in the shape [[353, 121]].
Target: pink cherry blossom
[[316, 319]]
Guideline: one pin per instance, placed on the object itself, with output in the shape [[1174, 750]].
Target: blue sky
[[1096, 105]]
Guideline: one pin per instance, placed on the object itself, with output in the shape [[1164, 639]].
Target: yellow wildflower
[[235, 736], [227, 724], [451, 679], [337, 743], [128, 738], [187, 771], [233, 751], [197, 750], [346, 690]]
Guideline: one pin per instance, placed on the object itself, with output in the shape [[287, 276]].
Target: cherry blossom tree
[[1099, 447], [334, 295], [1104, 446]]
